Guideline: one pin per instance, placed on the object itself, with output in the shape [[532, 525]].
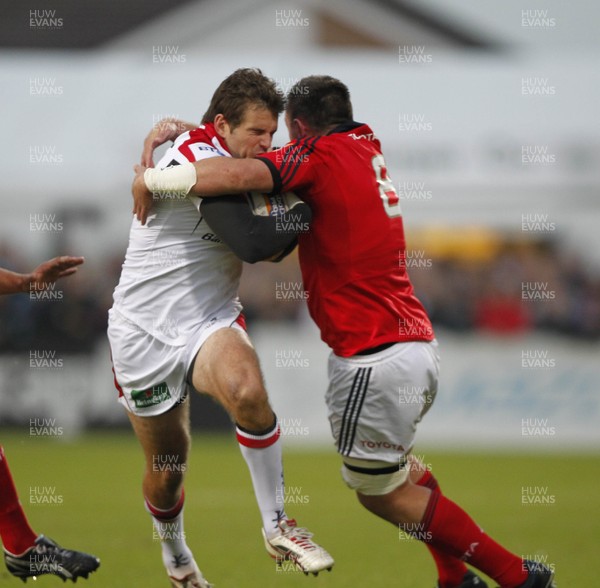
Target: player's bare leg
[[227, 368], [165, 440], [452, 572], [432, 518], [164, 435]]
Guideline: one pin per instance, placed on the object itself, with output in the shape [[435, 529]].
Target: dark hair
[[243, 88], [319, 101]]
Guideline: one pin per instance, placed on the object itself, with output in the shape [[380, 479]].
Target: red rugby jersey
[[352, 259]]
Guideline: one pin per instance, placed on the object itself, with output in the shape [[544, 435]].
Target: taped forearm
[[179, 179]]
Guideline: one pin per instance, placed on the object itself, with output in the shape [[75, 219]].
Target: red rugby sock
[[451, 570], [17, 535], [453, 531]]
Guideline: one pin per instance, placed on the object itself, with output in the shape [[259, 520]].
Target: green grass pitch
[[98, 478]]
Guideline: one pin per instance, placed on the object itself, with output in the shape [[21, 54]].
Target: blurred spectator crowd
[[520, 289], [517, 290]]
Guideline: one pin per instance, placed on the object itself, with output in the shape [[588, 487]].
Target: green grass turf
[[98, 477]]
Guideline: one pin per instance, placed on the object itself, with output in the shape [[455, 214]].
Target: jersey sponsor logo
[[206, 148], [211, 237], [150, 396], [367, 443], [367, 136]]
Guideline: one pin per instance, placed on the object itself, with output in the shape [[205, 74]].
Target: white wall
[[529, 393]]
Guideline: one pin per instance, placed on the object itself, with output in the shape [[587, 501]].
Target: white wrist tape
[[178, 179]]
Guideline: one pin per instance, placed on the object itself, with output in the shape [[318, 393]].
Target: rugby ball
[[272, 205]]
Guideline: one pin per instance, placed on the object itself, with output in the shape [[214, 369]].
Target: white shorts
[[375, 401], [150, 375]]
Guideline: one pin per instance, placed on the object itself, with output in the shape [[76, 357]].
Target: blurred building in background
[[487, 117]]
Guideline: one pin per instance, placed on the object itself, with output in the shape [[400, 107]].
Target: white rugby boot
[[295, 544]]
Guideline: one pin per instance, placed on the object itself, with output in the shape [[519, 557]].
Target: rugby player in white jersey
[[176, 325]]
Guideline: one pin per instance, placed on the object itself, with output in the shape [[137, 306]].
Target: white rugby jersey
[[177, 274]]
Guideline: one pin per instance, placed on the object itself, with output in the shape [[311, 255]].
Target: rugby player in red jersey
[[383, 369], [27, 554]]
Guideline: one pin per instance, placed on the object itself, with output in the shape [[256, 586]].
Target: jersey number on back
[[387, 192]]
